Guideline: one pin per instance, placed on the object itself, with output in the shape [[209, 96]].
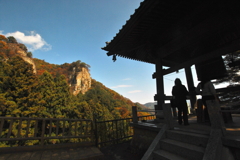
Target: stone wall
[[143, 138]]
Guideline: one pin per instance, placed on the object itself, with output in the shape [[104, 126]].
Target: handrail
[[113, 120], [45, 129], [35, 118], [235, 111], [149, 110], [24, 128], [115, 131]]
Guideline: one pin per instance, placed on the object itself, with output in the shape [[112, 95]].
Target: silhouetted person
[[208, 92], [180, 93]]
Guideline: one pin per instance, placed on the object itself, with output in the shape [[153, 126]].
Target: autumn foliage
[[53, 80], [46, 94]]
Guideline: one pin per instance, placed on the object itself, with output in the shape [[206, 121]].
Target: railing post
[[57, 127], [43, 131], [35, 128], [10, 128], [19, 128], [69, 128], [27, 129], [134, 114], [1, 127], [95, 130], [117, 130]]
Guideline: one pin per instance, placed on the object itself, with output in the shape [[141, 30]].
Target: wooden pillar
[[163, 110], [134, 114], [159, 97], [191, 86]]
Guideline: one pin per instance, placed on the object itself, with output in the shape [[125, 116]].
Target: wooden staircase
[[181, 145]]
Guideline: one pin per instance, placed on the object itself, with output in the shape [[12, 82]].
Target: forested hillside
[[150, 105], [46, 93]]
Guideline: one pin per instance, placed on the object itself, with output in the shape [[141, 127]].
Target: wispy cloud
[[121, 86], [126, 79], [33, 40], [135, 91]]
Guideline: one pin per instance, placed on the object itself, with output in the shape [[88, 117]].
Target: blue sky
[[61, 31]]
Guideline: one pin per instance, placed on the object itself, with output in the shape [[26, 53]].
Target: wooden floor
[[82, 153], [232, 128]]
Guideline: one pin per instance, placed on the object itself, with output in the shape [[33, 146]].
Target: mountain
[[150, 105], [7, 50], [30, 87], [77, 74]]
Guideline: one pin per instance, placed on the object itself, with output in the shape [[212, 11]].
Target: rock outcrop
[[80, 82], [23, 55], [79, 78], [29, 60]]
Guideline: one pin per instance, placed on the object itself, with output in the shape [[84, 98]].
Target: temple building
[[174, 35]]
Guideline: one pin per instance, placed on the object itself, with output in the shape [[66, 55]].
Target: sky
[[64, 31]]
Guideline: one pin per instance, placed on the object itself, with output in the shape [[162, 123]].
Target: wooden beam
[[234, 46], [191, 87], [159, 85]]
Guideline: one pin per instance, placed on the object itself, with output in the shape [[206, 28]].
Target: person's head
[[178, 82], [204, 80]]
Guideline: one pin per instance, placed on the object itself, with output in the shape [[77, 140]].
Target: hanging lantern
[[114, 58]]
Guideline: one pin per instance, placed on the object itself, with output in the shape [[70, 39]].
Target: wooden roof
[[179, 32]]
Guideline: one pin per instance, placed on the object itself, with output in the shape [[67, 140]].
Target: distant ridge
[[150, 105]]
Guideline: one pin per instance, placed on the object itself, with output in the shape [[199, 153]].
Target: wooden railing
[[115, 131], [45, 129], [16, 131], [145, 118]]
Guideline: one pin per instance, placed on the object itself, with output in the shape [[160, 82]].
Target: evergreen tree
[[18, 83], [11, 39], [62, 97], [47, 88]]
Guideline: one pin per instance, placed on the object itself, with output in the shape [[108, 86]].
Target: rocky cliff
[[80, 81], [29, 60], [79, 78], [23, 54], [77, 73]]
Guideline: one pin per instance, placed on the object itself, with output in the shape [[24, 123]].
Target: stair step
[[189, 130], [189, 151], [164, 155], [186, 137]]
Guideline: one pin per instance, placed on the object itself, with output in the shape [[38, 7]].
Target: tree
[[232, 63], [23, 47], [3, 38], [47, 88], [3, 49], [78, 65], [18, 87], [29, 54], [11, 39], [62, 96]]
